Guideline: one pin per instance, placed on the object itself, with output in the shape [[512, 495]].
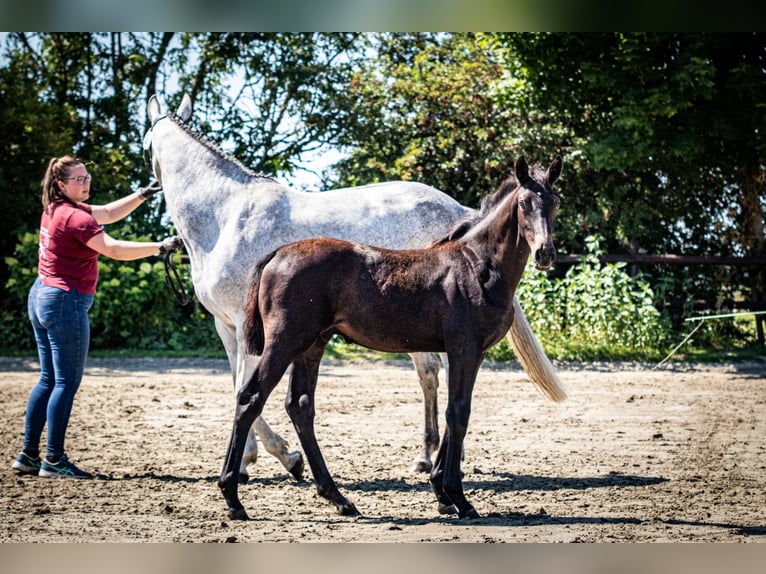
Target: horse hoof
[[421, 466], [470, 513], [238, 514], [296, 469], [243, 478], [348, 510], [447, 508]]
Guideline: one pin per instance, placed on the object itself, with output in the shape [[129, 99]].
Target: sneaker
[[62, 469], [25, 464]]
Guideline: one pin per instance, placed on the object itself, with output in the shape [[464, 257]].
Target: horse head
[[537, 205], [154, 114]]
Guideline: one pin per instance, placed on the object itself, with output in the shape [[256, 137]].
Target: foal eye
[[524, 204]]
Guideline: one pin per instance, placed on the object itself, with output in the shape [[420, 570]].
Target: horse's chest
[[220, 289]]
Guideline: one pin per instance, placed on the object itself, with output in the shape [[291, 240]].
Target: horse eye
[[524, 204]]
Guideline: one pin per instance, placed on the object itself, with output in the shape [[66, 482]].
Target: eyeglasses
[[80, 179]]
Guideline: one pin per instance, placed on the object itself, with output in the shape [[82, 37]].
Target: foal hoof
[[296, 468], [238, 514], [348, 510], [470, 513], [447, 508]]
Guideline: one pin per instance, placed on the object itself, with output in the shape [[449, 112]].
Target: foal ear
[[185, 109], [521, 169], [153, 108], [554, 170]]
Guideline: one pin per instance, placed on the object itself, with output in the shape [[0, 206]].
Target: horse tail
[[252, 326], [533, 358]]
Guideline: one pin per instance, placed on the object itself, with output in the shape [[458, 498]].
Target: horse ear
[[521, 169], [185, 109], [554, 170], [153, 109]]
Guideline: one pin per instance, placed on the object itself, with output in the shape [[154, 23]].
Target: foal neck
[[497, 243]]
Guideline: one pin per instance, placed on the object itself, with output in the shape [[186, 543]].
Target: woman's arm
[[116, 210], [122, 250]]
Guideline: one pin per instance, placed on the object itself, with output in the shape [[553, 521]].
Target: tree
[[438, 109], [671, 125], [271, 99]]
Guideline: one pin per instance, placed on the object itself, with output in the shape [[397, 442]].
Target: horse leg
[[300, 406], [445, 362], [427, 367], [251, 398], [446, 479], [280, 448]]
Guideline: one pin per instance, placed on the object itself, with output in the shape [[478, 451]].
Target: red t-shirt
[[64, 260]]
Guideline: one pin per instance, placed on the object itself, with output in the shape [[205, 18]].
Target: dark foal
[[455, 296]]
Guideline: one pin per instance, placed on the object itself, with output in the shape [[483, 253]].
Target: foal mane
[[488, 205], [216, 149]]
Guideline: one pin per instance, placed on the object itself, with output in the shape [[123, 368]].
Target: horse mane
[[216, 149]]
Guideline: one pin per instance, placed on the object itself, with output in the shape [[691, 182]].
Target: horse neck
[[200, 184]]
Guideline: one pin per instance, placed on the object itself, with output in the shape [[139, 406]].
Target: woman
[[71, 239]]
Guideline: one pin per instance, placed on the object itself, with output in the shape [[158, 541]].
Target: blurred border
[[374, 15], [378, 559]]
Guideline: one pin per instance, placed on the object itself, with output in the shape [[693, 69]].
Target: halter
[[147, 138]]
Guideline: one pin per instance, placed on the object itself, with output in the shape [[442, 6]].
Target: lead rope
[[173, 279]]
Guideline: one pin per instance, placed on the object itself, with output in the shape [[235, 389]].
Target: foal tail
[[252, 327], [533, 358]]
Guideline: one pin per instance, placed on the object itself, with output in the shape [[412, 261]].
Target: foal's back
[[388, 300]]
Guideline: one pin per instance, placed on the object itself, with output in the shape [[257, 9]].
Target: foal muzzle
[[545, 256]]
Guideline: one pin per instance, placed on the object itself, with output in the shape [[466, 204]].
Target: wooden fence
[[757, 264], [635, 260]]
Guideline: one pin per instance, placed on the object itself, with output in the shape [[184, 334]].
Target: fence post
[[634, 251]]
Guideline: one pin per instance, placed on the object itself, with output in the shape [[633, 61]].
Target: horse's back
[[395, 215], [399, 193]]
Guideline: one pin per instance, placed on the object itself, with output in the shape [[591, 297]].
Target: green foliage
[[671, 125], [593, 312], [292, 97], [133, 308], [339, 348]]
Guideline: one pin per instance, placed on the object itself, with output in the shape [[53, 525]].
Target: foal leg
[[250, 400], [300, 406], [446, 479], [427, 367], [243, 367]]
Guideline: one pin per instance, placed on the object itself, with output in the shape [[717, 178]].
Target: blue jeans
[[62, 332]]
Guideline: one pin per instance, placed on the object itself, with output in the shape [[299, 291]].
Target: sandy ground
[[634, 455]]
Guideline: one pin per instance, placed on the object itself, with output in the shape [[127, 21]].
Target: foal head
[[537, 205]]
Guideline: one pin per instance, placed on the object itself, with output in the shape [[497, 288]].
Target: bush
[[133, 309], [594, 312]]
